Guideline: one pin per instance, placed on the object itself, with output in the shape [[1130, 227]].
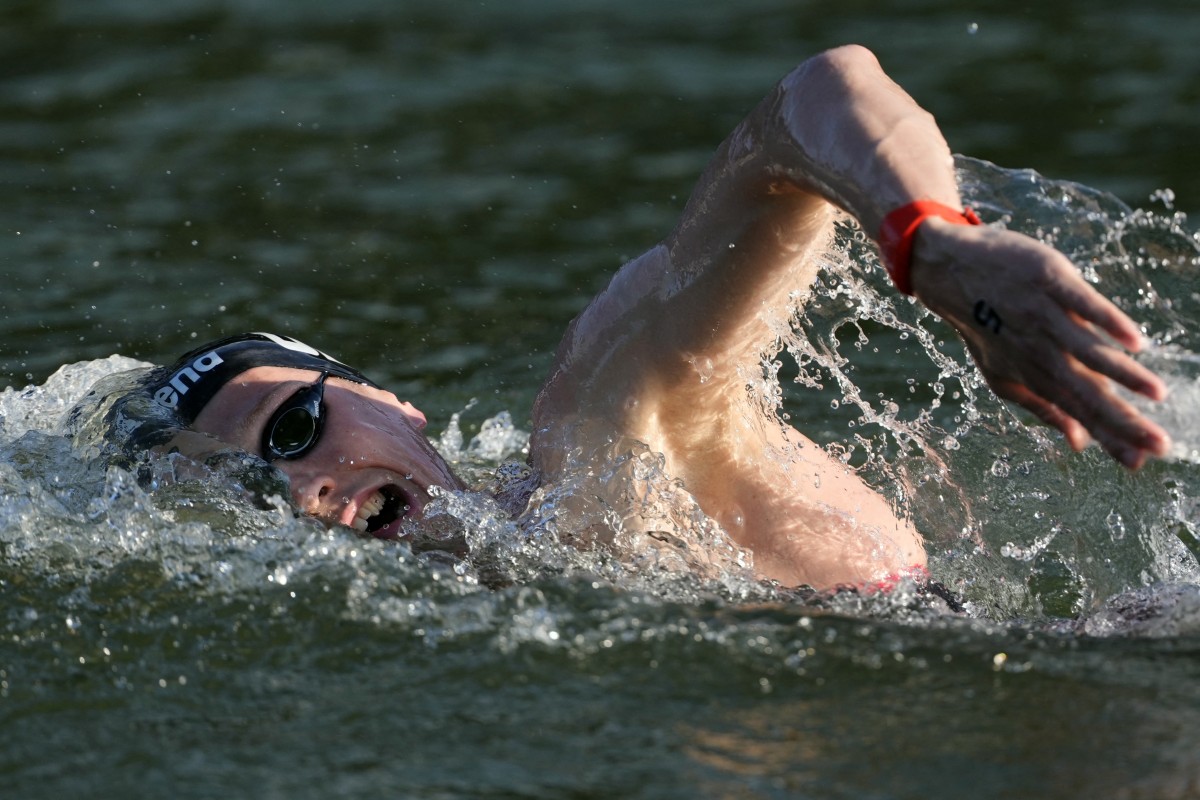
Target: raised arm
[[838, 131]]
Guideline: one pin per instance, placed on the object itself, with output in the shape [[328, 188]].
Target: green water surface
[[431, 191]]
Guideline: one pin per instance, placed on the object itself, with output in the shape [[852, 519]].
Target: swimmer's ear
[[199, 451], [195, 456], [197, 446]]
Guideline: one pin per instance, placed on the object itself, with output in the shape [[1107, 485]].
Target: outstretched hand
[[1040, 334]]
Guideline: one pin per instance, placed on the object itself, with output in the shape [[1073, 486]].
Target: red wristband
[[900, 227]]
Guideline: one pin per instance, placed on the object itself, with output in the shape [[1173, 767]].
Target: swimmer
[[657, 357]]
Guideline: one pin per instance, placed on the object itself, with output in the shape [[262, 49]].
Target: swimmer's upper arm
[[836, 131]]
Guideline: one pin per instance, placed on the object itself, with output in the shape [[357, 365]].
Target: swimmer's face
[[366, 463]]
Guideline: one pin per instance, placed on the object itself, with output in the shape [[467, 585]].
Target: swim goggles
[[295, 427]]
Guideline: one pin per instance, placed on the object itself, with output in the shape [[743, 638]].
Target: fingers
[[1121, 430], [1086, 397], [1050, 414], [1082, 342], [1080, 297], [1130, 444]]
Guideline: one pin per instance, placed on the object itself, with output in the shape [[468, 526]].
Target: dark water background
[[436, 188], [431, 191]]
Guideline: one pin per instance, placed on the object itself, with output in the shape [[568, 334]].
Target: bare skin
[[659, 357], [836, 131], [372, 449]]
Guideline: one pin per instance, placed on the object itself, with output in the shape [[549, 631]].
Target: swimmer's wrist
[[899, 230]]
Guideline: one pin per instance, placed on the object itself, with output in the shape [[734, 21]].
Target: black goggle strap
[[295, 427]]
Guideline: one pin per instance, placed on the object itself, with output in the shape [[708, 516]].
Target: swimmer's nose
[[316, 496], [414, 414]]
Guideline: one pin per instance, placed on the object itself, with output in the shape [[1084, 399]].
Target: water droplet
[[1115, 524], [1164, 196]]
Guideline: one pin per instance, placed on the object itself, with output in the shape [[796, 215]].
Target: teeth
[[370, 507]]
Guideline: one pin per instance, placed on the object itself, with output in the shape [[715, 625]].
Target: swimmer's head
[[353, 453]]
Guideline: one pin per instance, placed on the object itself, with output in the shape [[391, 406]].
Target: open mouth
[[380, 514]]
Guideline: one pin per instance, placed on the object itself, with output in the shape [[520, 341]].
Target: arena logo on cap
[[186, 378]]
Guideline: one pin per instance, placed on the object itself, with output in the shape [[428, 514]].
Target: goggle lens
[[295, 427]]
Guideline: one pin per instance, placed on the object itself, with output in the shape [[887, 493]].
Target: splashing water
[[1014, 523], [170, 601], [1013, 520]]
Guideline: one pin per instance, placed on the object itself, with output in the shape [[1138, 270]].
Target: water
[[430, 193]]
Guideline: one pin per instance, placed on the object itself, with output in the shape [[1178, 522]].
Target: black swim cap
[[200, 373]]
